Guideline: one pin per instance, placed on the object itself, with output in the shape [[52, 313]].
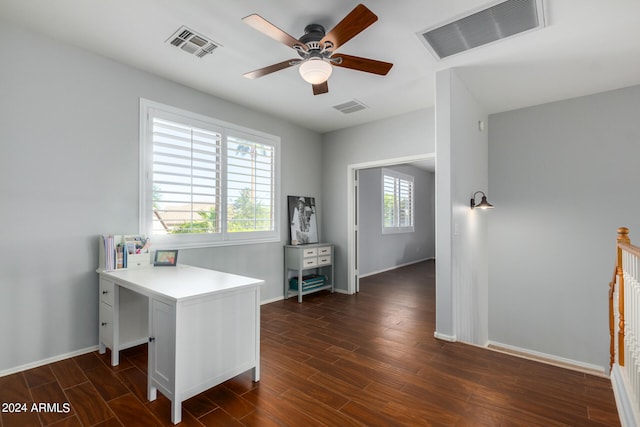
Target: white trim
[[269, 301], [225, 129], [43, 362], [396, 267], [444, 337], [627, 412], [549, 359]]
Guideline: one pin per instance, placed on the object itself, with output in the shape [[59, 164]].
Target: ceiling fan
[[317, 50]]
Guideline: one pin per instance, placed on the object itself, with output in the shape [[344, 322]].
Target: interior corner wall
[[461, 236], [563, 177], [406, 135], [69, 127]]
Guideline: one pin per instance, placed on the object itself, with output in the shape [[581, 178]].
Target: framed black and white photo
[[166, 258], [303, 220]]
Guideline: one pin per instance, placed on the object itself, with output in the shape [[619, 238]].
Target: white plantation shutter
[[186, 178], [397, 202], [250, 185], [205, 182]]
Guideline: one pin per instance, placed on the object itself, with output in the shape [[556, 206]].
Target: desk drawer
[[310, 262], [325, 250], [107, 292], [105, 326], [324, 260], [310, 252]]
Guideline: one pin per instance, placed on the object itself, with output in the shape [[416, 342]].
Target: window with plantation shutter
[[250, 187], [205, 182], [397, 202]]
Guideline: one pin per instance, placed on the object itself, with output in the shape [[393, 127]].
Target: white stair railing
[[624, 324]]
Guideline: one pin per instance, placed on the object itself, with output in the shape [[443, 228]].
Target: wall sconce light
[[483, 203]]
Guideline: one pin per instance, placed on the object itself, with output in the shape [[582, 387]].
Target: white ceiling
[[588, 46]]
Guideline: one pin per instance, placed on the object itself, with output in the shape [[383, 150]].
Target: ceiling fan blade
[[320, 88], [352, 24], [271, 69], [267, 28], [363, 64]]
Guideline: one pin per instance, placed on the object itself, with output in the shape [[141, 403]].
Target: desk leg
[[299, 286], [176, 411]]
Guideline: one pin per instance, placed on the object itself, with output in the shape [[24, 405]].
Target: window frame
[[150, 109], [396, 228]]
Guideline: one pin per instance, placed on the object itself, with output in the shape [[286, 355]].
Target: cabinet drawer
[[324, 260], [310, 252], [105, 326], [325, 250], [107, 292], [310, 262]]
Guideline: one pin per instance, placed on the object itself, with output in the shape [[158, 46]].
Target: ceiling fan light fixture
[[315, 70]]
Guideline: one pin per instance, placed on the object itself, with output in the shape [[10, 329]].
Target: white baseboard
[[626, 410], [362, 276], [549, 359], [47, 361], [444, 337], [269, 301]]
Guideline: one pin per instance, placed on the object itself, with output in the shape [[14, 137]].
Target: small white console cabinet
[[301, 259]]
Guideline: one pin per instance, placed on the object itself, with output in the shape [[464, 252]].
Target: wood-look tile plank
[[56, 406], [136, 381], [38, 376], [161, 408], [14, 388], [318, 410], [87, 404], [68, 373], [71, 421], [106, 382], [131, 412], [20, 419], [88, 361], [235, 405], [219, 417], [279, 409]]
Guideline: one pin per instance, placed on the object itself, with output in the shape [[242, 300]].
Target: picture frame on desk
[[165, 258]]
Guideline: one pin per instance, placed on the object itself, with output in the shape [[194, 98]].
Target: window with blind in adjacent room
[[397, 202], [206, 182]]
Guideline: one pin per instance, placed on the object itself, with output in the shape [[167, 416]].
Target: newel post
[[623, 237]]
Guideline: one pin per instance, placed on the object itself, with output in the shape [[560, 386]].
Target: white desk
[[203, 326]]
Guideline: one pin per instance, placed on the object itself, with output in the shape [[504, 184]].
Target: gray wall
[[461, 235], [69, 172], [380, 252], [402, 136], [563, 177]]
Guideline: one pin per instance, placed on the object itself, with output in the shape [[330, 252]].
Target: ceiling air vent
[[350, 107], [500, 21], [192, 42]]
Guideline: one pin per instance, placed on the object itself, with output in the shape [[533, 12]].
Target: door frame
[[353, 201]]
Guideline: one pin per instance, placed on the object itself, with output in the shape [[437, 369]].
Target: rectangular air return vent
[[192, 42], [350, 107], [500, 21]]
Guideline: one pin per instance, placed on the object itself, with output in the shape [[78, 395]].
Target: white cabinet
[[203, 326], [122, 319], [301, 259]]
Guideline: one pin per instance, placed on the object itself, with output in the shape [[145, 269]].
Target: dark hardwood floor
[[334, 360]]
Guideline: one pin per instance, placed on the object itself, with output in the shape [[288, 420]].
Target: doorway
[[353, 221]]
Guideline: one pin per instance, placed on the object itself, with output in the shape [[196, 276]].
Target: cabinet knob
[[105, 292], [152, 339], [104, 323]]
